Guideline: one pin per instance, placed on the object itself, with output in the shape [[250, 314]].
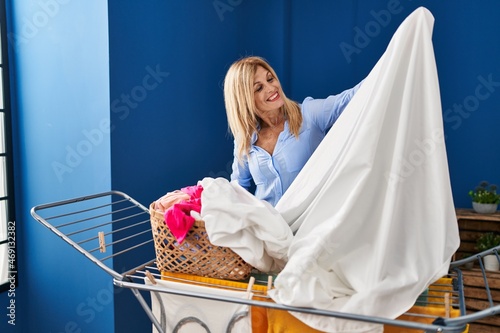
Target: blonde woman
[[273, 135]]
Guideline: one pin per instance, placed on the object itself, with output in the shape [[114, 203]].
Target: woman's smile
[[274, 97]]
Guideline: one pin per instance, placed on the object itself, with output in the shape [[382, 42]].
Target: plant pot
[[482, 208], [491, 262]]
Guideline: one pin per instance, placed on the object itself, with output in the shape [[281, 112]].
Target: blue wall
[[160, 83], [180, 120], [178, 132]]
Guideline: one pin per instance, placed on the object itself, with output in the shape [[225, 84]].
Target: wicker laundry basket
[[196, 255]]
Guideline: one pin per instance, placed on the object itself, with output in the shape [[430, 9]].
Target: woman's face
[[267, 91]]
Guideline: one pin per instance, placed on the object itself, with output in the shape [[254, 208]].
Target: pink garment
[[169, 199], [193, 191], [178, 217]]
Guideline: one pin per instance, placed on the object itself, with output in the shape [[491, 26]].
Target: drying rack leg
[[146, 308]]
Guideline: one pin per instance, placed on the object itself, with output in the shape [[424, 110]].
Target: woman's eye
[[259, 88], [270, 79]]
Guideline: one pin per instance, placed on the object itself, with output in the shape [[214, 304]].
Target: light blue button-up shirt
[[273, 174]]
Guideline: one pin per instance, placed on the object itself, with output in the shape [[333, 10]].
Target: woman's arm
[[324, 112], [241, 172]]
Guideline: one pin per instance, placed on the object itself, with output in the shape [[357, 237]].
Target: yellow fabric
[[433, 310], [277, 321], [443, 284], [216, 283]]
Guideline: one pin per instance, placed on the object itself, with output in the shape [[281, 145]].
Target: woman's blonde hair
[[240, 103]]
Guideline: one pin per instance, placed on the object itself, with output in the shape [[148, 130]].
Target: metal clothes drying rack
[[111, 229]]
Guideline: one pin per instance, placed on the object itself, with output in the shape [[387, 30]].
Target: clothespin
[[447, 305], [250, 287], [269, 283], [102, 242], [151, 277]]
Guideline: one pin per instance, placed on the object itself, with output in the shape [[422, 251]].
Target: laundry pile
[[179, 208]]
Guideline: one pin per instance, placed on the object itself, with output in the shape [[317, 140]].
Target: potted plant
[[485, 198], [485, 242]]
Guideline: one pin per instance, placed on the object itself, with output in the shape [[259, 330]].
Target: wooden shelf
[[469, 214], [471, 225], [476, 298]]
